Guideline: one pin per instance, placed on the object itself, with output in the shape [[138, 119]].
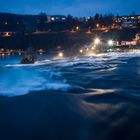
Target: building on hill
[[133, 18], [128, 24], [127, 21], [57, 18], [131, 39]]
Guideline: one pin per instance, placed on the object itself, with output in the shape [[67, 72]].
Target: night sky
[[73, 7]]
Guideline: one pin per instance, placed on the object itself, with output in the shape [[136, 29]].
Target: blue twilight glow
[[73, 7]]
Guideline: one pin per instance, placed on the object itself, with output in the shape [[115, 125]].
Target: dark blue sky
[[73, 7]]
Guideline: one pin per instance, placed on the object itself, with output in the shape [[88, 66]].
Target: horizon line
[[69, 14]]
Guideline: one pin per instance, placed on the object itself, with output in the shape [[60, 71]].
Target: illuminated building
[[58, 18]]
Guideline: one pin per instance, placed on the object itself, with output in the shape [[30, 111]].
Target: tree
[[91, 21], [69, 18], [108, 19], [97, 16], [42, 21]]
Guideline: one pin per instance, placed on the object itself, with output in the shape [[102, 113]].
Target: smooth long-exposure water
[[114, 71], [79, 98]]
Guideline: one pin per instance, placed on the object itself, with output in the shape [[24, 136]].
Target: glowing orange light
[[77, 28], [97, 25]]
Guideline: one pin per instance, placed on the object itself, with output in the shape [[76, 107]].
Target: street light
[[93, 47], [97, 25], [97, 41], [110, 42], [81, 51], [77, 28], [60, 54]]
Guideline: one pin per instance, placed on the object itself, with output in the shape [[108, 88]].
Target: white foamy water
[[64, 75]]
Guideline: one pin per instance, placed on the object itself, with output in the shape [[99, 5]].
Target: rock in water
[[28, 60], [29, 57]]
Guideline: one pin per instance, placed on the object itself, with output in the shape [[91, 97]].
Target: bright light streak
[[97, 41], [110, 42]]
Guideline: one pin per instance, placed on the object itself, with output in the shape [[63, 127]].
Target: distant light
[[88, 32], [97, 25], [77, 28], [81, 51], [110, 42], [6, 34], [97, 41], [53, 18], [60, 54], [118, 49], [92, 48], [87, 49], [63, 18]]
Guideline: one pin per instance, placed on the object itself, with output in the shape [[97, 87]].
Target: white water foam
[[22, 89], [26, 80], [37, 63], [96, 58]]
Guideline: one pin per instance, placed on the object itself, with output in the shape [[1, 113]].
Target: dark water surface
[[82, 98]]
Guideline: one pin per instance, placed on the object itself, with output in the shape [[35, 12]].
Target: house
[[132, 18], [126, 43], [129, 41], [128, 24], [124, 37], [7, 33], [58, 18]]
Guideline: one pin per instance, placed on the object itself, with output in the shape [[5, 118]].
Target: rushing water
[[76, 98], [114, 71]]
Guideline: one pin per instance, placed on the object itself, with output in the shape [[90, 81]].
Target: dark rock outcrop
[[28, 60]]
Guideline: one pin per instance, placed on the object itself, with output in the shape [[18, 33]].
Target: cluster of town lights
[[96, 42]]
